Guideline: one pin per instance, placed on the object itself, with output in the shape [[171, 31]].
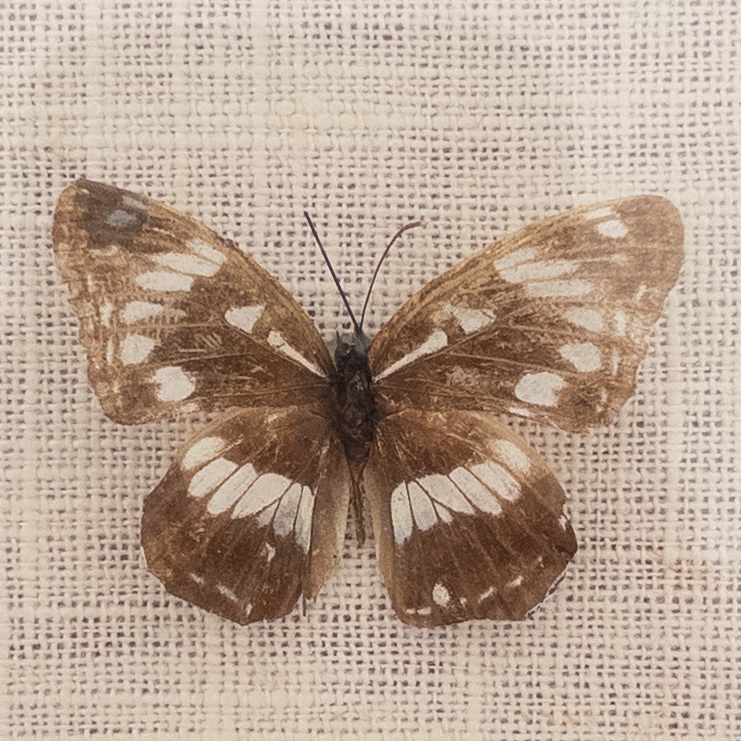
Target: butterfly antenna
[[401, 231], [336, 280]]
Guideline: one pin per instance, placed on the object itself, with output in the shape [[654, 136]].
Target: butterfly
[[549, 323]]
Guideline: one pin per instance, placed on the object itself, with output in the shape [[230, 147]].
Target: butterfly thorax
[[356, 412]]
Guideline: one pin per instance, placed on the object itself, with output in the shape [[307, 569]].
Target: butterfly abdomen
[[356, 412]]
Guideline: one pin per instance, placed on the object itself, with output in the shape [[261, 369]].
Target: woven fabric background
[[478, 117]]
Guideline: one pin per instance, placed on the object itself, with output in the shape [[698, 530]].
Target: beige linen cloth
[[478, 117]]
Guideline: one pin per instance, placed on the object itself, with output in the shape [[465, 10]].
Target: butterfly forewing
[[469, 522], [550, 322], [251, 514], [174, 317]]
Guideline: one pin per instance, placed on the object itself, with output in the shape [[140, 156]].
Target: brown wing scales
[[549, 323], [173, 317]]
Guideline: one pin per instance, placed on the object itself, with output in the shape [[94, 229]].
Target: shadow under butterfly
[[549, 323]]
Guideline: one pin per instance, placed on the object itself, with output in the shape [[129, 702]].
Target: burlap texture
[[479, 118]]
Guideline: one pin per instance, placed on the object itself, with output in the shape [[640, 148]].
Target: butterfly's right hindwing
[[173, 317], [251, 514], [469, 522]]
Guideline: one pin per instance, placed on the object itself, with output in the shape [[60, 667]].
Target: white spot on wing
[[513, 583], [244, 317], [424, 513], [209, 477], [110, 351], [401, 514], [512, 456], [197, 579], [612, 228], [132, 202], [471, 320], [590, 319], [228, 593], [537, 271], [276, 340], [436, 341], [208, 252], [621, 322], [286, 513], [302, 527], [475, 491], [120, 218], [174, 384], [584, 356], [444, 491], [497, 479], [164, 280], [106, 311], [232, 489], [136, 311], [201, 451], [136, 348], [539, 388], [440, 594], [508, 261], [184, 263], [266, 490], [486, 594], [558, 288]]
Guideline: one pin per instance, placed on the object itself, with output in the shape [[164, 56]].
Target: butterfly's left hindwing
[[468, 520], [550, 322], [251, 514], [173, 317]]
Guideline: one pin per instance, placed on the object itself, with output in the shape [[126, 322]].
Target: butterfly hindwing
[[251, 514], [173, 317], [468, 520], [550, 322]]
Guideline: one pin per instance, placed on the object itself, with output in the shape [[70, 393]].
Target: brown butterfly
[[549, 323]]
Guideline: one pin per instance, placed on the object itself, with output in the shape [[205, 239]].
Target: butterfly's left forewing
[[175, 318]]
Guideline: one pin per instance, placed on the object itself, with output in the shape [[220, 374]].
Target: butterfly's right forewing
[[550, 322]]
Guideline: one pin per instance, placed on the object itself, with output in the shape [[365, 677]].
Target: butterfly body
[[549, 323], [355, 403]]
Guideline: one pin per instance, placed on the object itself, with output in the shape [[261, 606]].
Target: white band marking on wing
[[244, 317], [471, 320], [475, 491], [558, 288], [209, 477], [511, 455], [276, 340], [183, 263], [201, 451], [436, 341], [401, 514], [164, 280], [136, 311], [205, 250], [232, 489]]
